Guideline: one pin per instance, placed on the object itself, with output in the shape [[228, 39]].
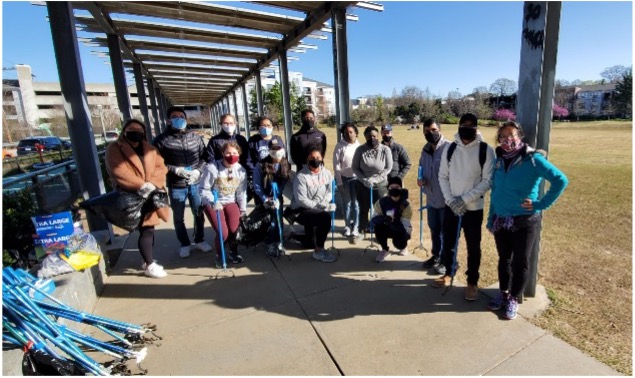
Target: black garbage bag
[[254, 227], [159, 199], [120, 208], [37, 362]]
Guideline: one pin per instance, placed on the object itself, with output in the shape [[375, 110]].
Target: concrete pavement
[[299, 316]]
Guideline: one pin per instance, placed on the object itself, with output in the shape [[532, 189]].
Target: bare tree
[[613, 74], [503, 87]]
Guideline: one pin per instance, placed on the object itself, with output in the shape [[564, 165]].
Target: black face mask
[[467, 133], [315, 163], [134, 136], [394, 192], [372, 143], [433, 136], [308, 124], [386, 139]]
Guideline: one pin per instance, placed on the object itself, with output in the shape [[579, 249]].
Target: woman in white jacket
[[346, 179]]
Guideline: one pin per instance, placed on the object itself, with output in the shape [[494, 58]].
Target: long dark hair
[[269, 170]]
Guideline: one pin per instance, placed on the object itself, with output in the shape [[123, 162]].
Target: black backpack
[[482, 153]]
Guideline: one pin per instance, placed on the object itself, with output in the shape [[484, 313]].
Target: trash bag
[[37, 362], [53, 265], [159, 199], [83, 241], [120, 208], [254, 227]]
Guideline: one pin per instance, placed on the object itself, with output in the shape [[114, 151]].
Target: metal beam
[[246, 110], [260, 102], [119, 77], [219, 63], [286, 101], [143, 104], [153, 104], [78, 118], [340, 65]]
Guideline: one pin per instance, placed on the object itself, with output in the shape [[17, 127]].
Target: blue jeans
[[177, 202], [349, 202], [435, 223]]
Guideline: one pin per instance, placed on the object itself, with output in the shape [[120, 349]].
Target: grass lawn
[[586, 246]]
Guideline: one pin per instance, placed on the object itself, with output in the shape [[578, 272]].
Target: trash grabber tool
[[333, 219], [421, 208], [456, 251], [276, 194], [370, 223], [222, 241]]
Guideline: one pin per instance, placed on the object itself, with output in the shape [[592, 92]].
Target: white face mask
[[229, 129], [277, 154]]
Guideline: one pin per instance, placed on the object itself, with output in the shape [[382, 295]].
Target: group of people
[[219, 179]]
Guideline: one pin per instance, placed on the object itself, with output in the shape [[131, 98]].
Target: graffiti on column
[[534, 38]]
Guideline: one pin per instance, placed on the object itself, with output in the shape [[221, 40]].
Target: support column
[[157, 94], [143, 103], [340, 65], [119, 77], [539, 41], [78, 117], [286, 100], [153, 105], [227, 107], [236, 112], [261, 109], [164, 109], [243, 89]]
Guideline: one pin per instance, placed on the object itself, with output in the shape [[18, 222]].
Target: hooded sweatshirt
[[343, 159], [462, 177], [216, 176], [312, 190], [372, 165], [429, 162]]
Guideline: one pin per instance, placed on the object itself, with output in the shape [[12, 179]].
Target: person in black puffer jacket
[[228, 133], [307, 136], [185, 156]]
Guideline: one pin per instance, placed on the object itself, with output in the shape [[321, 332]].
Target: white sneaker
[[403, 252], [381, 257], [185, 251], [155, 270], [355, 232], [144, 265], [347, 232], [203, 246]]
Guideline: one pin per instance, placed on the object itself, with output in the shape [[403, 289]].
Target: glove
[[194, 176], [243, 215], [182, 172], [146, 189], [331, 207], [276, 204], [387, 219], [218, 206], [269, 204], [458, 206]]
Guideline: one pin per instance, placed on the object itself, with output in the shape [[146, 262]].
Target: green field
[[586, 247]]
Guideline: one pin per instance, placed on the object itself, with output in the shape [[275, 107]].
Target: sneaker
[[471, 292], [432, 262], [324, 256], [355, 232], [272, 250], [347, 232], [235, 258], [381, 257], [440, 269], [499, 302], [185, 251], [144, 265], [403, 252], [203, 246], [155, 270], [442, 282], [511, 310]]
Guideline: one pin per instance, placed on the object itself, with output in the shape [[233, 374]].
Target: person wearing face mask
[[134, 165], [185, 156], [400, 160], [345, 178], [259, 146], [274, 168], [392, 219], [372, 162], [312, 201], [307, 135], [465, 175], [229, 179], [429, 163], [515, 211], [228, 134]]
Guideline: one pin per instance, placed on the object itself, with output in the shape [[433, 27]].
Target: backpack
[[482, 153]]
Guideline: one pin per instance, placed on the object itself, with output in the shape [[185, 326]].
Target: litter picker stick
[[456, 251], [220, 235], [370, 223], [333, 184], [421, 208], [276, 194]]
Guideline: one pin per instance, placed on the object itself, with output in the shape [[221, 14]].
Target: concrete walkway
[[303, 317]]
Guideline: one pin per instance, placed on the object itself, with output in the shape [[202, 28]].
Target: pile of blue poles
[[29, 320]]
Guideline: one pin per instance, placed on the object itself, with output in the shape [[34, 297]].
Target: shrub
[[504, 115]]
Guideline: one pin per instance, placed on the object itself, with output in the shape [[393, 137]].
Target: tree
[[272, 103], [503, 87], [380, 109], [613, 74], [560, 111], [624, 94], [504, 115]]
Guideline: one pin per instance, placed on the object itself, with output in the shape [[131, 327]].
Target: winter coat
[[400, 160], [430, 161], [463, 176], [263, 188], [343, 160], [259, 149], [510, 187], [181, 149], [215, 148], [128, 172], [402, 209], [300, 143]]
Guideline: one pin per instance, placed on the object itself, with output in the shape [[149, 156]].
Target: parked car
[[50, 143], [111, 136]]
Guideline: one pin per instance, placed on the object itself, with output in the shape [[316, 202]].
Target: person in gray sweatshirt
[[312, 200], [372, 163]]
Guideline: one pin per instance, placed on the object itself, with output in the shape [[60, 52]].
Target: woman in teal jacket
[[515, 210]]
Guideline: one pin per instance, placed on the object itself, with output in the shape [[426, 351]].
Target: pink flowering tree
[[504, 115], [560, 111]]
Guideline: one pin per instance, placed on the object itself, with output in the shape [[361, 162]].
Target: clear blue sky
[[437, 45]]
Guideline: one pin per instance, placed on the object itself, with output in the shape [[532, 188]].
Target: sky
[[441, 46]]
